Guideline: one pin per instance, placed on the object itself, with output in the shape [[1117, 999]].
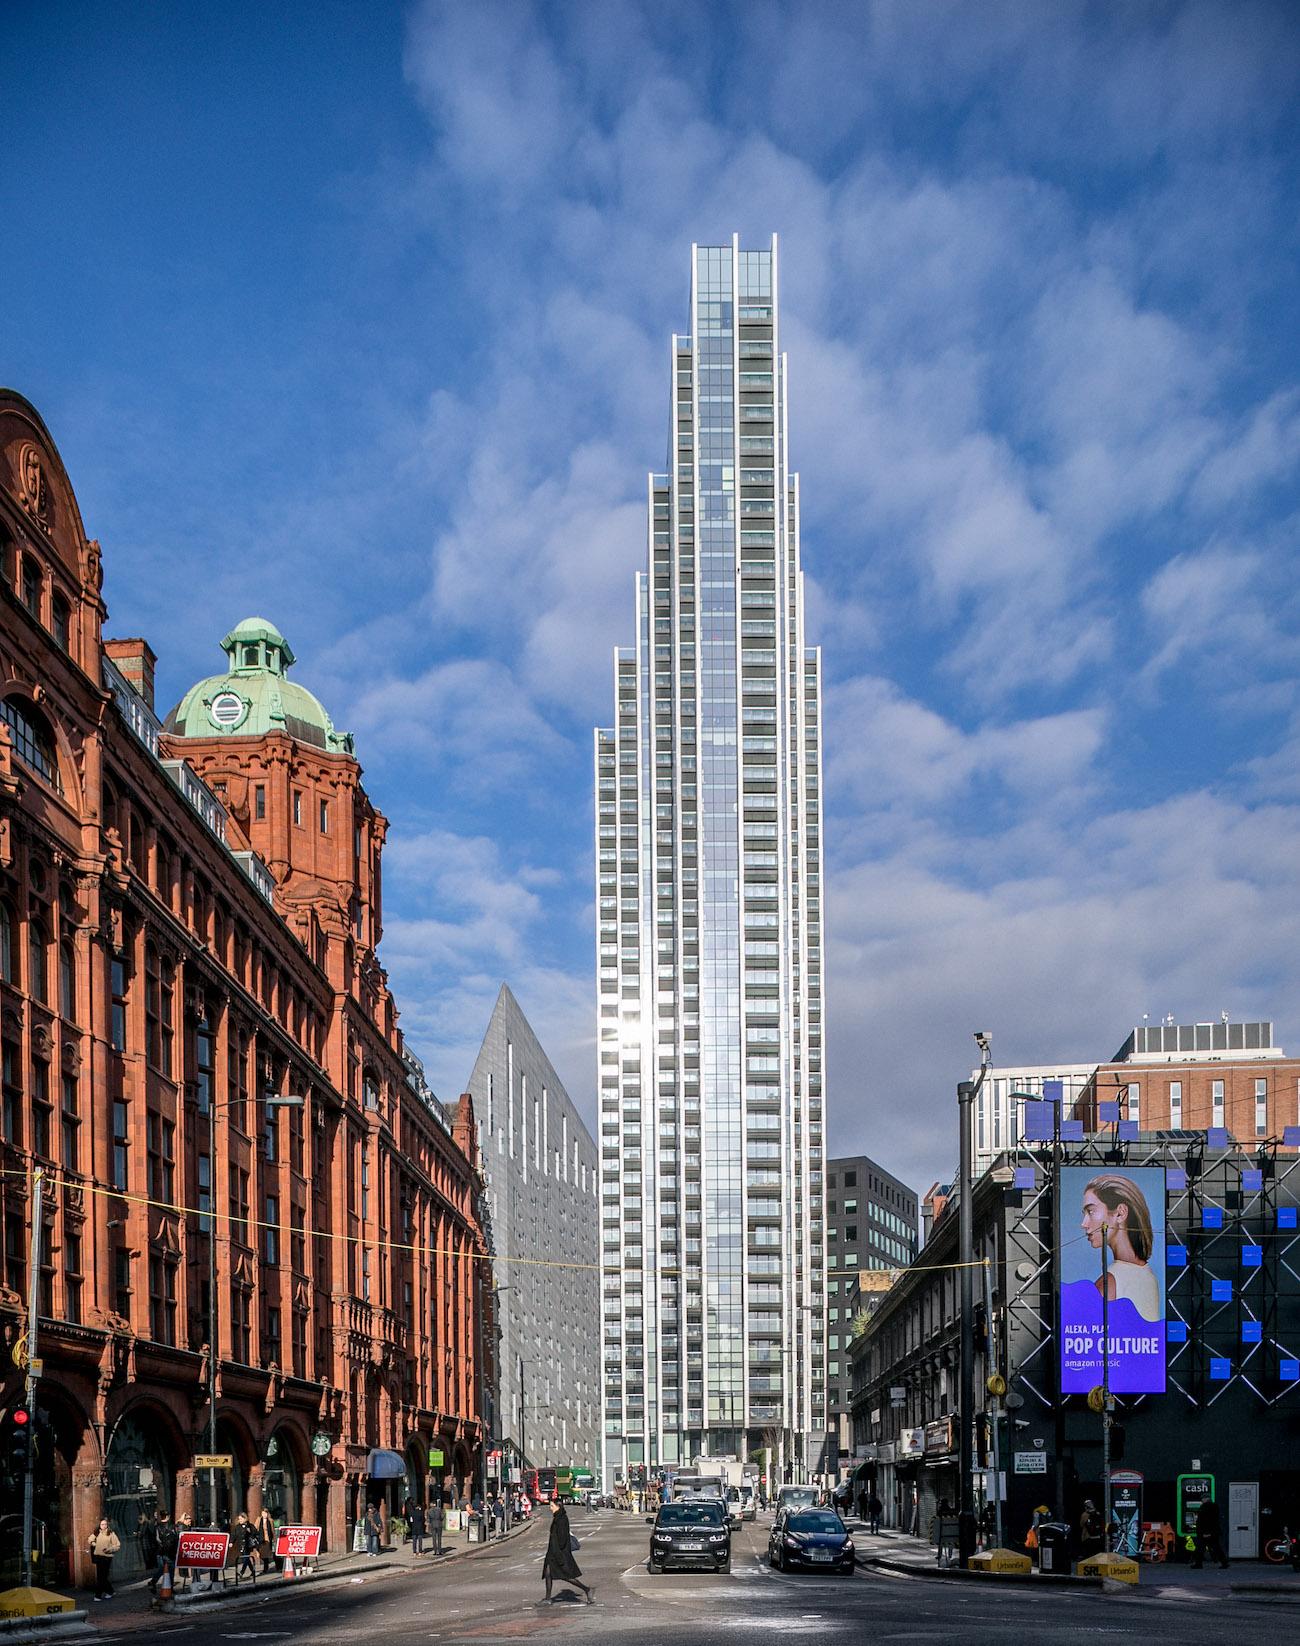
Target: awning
[[382, 1465]]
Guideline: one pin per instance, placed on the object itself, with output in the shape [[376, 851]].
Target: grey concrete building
[[871, 1224], [539, 1161]]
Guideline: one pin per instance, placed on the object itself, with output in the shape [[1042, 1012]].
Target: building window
[[121, 1146], [1175, 1103], [259, 800], [62, 623], [297, 807], [162, 1298], [204, 1062], [271, 1232], [1135, 1102], [41, 1110], [271, 1348], [30, 585], [1216, 1103], [239, 1205], [67, 982], [122, 1282], [16, 1253], [158, 1002], [1261, 1108], [160, 1136], [6, 941], [32, 739], [850, 1180], [117, 985], [72, 1276], [204, 1180], [36, 961], [240, 1334], [12, 1083], [324, 817], [71, 1125]]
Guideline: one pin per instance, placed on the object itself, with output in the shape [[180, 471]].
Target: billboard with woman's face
[[1112, 1220]]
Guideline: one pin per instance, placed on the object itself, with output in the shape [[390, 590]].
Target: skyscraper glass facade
[[709, 873]]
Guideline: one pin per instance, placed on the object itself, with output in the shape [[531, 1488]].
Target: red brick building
[[188, 925]]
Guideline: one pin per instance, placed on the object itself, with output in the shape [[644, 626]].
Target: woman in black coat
[[559, 1560]]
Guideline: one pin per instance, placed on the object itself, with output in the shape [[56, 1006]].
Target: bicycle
[[1281, 1549]]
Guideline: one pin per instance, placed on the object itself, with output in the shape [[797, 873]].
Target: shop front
[[939, 1480]]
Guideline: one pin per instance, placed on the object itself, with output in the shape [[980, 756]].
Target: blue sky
[[357, 317]]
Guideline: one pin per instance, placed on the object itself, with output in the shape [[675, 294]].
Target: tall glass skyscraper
[[709, 876]]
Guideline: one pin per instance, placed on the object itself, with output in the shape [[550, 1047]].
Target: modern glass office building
[[709, 877]]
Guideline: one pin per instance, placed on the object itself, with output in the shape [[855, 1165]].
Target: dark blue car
[[815, 1539]]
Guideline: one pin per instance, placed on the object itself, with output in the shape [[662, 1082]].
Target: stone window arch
[[32, 738]]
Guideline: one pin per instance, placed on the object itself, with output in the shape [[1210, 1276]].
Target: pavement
[[494, 1593], [1167, 1578]]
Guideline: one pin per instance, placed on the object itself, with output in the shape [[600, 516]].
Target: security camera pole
[[967, 1091]]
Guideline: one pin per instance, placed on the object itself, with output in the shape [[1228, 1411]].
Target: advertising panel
[[1125, 1210], [202, 1551], [1126, 1511]]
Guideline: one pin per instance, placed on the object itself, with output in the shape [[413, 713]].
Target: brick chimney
[[136, 661]]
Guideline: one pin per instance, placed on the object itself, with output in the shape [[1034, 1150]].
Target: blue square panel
[[1220, 1369], [1053, 1091], [1217, 1137], [1072, 1131], [1252, 1179], [1286, 1217], [1252, 1331], [1128, 1131], [1291, 1136], [1175, 1178], [1220, 1291], [1175, 1257], [1024, 1178], [1039, 1122], [1176, 1331], [1108, 1112], [1252, 1257], [1289, 1371], [1211, 1217]]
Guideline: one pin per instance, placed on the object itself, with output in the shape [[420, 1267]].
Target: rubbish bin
[[477, 1528], [1053, 1547]]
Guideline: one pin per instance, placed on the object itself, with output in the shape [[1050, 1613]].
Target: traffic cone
[[165, 1590], [289, 1568]]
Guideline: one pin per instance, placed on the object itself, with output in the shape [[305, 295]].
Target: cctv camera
[[1022, 1422]]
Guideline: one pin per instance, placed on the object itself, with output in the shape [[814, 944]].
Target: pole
[[966, 1394], [1105, 1387], [995, 1408], [212, 1307], [33, 1360], [482, 1392]]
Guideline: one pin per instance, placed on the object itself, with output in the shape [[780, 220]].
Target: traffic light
[[19, 1426]]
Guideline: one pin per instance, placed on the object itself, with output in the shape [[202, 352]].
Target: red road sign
[[203, 1551], [300, 1542]]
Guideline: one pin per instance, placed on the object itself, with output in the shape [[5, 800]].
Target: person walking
[[437, 1521], [875, 1508], [415, 1525], [148, 1535], [501, 1516], [1209, 1538], [248, 1540], [559, 1561], [104, 1544], [374, 1529], [266, 1531]]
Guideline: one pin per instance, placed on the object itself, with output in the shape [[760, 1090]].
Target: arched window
[[6, 942], [32, 738], [61, 623], [36, 980]]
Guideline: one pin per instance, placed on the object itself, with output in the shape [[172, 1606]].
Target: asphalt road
[[497, 1595]]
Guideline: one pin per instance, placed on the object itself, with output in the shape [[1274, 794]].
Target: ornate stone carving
[[33, 493]]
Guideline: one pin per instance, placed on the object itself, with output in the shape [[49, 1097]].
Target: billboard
[[1125, 1211]]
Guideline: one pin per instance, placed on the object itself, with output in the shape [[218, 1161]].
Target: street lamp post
[[272, 1101], [967, 1091]]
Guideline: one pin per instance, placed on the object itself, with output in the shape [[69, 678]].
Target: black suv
[[693, 1534]]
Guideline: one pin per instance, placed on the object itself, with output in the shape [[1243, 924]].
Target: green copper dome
[[255, 695]]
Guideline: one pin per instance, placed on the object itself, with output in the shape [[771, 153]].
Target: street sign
[[299, 1542], [1030, 1463], [435, 1460], [214, 1460], [321, 1444], [202, 1551], [36, 1368]]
